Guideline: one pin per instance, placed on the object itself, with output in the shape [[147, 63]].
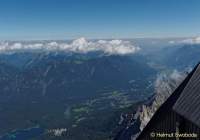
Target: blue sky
[[66, 19]]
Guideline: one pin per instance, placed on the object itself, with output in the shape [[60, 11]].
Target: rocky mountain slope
[[165, 84]]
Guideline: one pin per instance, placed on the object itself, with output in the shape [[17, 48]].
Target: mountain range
[[99, 90]]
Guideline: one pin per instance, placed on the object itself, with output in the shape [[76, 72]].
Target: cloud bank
[[80, 45], [194, 40]]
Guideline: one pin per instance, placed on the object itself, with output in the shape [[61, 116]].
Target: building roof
[[188, 104], [176, 99]]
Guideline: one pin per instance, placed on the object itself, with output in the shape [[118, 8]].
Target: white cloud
[[80, 45], [195, 40], [172, 42]]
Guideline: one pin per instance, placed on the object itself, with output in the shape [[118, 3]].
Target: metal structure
[[179, 116]]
